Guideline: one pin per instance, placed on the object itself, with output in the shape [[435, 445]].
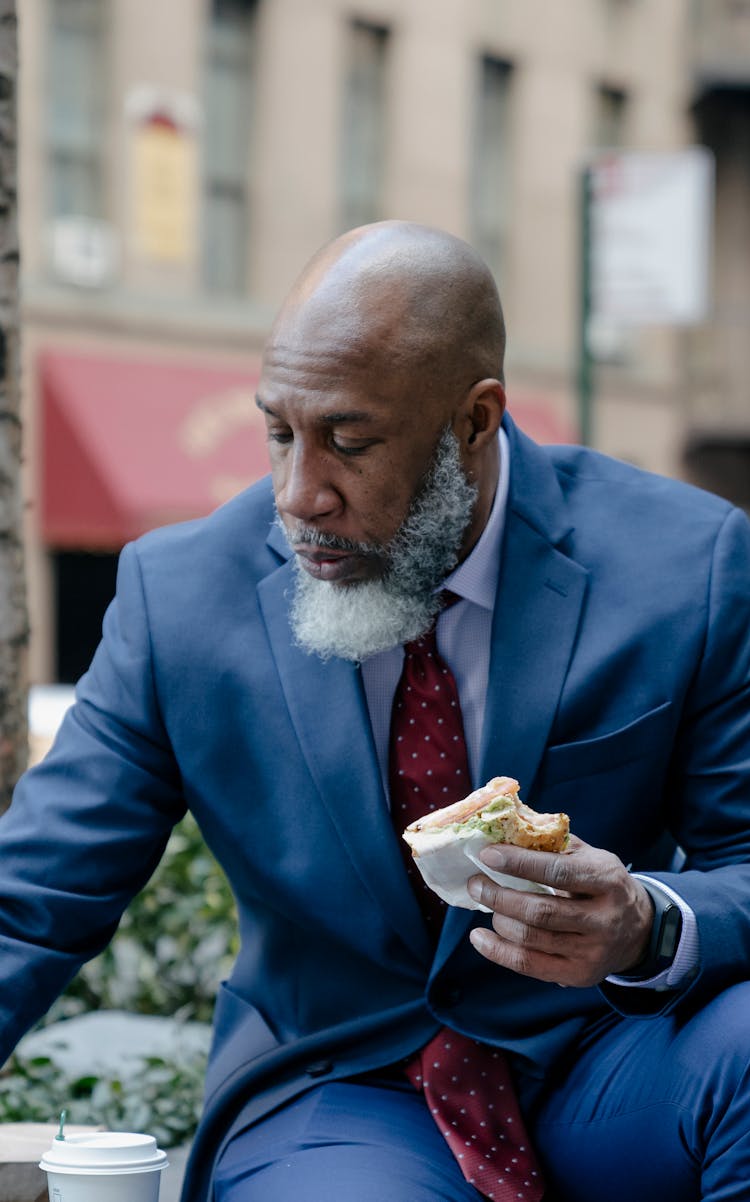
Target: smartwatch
[[666, 929]]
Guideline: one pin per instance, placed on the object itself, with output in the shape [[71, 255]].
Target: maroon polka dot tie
[[466, 1084]]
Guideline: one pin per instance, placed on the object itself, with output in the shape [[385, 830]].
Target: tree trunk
[[14, 629]]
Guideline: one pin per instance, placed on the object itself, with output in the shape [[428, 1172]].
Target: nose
[[303, 486]]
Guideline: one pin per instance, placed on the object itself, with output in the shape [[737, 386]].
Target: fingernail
[[480, 938], [491, 857], [474, 888]]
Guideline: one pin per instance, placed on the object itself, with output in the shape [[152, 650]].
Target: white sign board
[[84, 251], [650, 229]]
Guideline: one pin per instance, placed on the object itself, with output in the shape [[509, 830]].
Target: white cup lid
[[104, 1152]]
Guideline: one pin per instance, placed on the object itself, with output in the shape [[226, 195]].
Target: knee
[[716, 1038], [724, 1017]]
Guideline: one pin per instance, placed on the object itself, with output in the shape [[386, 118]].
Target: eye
[[282, 435], [351, 448]]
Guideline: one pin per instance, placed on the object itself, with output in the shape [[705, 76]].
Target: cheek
[[386, 495], [382, 508]]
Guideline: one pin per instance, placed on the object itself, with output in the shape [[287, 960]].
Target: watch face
[[671, 925]]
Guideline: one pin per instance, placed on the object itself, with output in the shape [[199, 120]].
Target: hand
[[600, 924]]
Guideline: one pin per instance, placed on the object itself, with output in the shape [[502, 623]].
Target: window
[[363, 124], [490, 195], [226, 144], [610, 116], [77, 106]]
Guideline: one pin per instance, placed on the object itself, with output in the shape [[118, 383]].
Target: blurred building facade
[[717, 398], [182, 159]]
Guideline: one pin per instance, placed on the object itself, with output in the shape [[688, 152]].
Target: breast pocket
[[611, 785], [638, 740]]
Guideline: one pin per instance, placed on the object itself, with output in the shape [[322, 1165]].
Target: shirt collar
[[475, 579]]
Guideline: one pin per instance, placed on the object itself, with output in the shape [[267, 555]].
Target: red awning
[[129, 444]]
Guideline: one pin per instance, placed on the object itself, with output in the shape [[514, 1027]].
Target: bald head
[[391, 339], [409, 296]]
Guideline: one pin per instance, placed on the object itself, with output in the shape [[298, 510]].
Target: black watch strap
[[665, 936]]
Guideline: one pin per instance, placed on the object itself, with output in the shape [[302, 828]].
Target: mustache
[[306, 536]]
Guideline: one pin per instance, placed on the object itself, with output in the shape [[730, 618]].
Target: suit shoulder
[[585, 472]]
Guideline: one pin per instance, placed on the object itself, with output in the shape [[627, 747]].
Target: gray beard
[[358, 620]]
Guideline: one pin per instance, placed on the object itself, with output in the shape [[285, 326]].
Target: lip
[[324, 564]]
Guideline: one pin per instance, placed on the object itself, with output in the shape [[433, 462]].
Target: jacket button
[[319, 1068]]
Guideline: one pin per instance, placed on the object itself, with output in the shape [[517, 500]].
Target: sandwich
[[446, 843]]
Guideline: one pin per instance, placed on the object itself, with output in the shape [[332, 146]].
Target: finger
[[582, 972], [581, 870], [520, 959], [561, 944], [545, 910]]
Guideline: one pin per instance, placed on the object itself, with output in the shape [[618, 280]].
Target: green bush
[[164, 1099], [176, 941]]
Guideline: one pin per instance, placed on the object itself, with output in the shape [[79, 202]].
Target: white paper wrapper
[[446, 860]]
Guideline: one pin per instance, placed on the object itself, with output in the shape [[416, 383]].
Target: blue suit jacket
[[619, 691]]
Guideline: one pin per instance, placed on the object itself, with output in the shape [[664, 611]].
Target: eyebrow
[[328, 419]]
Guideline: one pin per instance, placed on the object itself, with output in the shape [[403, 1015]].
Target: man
[[595, 643]]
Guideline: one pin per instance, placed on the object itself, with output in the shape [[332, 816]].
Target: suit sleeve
[[708, 795], [88, 825]]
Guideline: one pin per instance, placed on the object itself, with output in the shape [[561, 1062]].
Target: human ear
[[481, 414]]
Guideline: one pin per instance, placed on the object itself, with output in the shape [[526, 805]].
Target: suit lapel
[[327, 706], [535, 622], [534, 628]]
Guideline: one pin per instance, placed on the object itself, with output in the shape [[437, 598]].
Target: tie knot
[[426, 644]]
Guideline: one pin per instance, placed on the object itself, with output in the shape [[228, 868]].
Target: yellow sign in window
[[164, 187]]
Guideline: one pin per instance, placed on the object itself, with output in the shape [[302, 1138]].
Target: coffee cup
[[104, 1166]]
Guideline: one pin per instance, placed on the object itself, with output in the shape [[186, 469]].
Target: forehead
[[361, 342], [323, 374]]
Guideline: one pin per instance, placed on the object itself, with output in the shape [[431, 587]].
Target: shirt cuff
[[687, 956]]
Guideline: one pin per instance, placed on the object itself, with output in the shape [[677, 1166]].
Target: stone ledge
[[22, 1146]]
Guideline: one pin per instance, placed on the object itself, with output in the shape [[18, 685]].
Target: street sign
[[650, 229]]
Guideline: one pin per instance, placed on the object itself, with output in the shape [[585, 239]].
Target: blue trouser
[[652, 1110]]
